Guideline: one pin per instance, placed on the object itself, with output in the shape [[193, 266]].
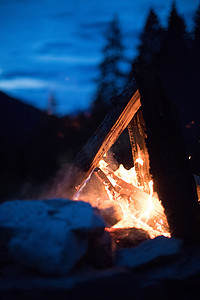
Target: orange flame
[[151, 216], [139, 209]]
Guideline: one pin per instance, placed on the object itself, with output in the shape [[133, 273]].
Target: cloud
[[69, 59], [37, 74], [21, 73], [22, 83]]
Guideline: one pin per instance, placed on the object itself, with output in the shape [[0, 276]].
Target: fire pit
[[62, 248], [158, 194], [124, 202]]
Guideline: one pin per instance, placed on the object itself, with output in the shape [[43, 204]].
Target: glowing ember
[[139, 161], [128, 176], [150, 206], [140, 210]]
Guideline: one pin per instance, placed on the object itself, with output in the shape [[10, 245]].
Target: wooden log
[[104, 179], [138, 199], [172, 177], [111, 212], [127, 237], [127, 104], [137, 134], [107, 134]]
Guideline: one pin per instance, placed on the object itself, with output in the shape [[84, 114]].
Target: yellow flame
[[139, 209], [103, 165], [128, 176], [139, 161], [150, 204]]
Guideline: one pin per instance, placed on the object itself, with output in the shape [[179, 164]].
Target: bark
[[137, 198], [127, 104], [172, 177], [137, 134], [127, 237]]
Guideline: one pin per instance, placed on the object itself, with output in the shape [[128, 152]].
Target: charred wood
[[126, 105], [104, 179], [137, 134], [127, 237], [172, 177], [136, 198], [111, 212]]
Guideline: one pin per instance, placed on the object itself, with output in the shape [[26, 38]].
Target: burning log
[[127, 237], [137, 134], [163, 147], [137, 201], [104, 179], [111, 212], [137, 195], [127, 104], [173, 180]]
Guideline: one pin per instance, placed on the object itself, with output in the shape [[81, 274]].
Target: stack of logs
[[135, 197], [166, 156]]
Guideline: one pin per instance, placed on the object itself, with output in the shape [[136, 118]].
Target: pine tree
[[151, 38], [176, 24], [175, 43], [112, 77], [197, 30]]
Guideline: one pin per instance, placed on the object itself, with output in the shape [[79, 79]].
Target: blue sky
[[54, 46]]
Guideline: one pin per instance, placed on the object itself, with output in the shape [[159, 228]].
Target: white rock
[[148, 251], [49, 235]]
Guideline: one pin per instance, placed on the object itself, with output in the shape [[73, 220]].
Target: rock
[[50, 236], [100, 254], [127, 237], [150, 251], [5, 234], [111, 213]]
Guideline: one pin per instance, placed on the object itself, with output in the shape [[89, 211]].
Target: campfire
[[157, 194], [128, 200], [124, 197], [133, 226]]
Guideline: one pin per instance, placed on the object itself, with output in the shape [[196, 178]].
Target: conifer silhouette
[[151, 38], [175, 43], [111, 75], [197, 29]]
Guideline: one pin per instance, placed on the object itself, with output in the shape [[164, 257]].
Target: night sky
[[54, 46]]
